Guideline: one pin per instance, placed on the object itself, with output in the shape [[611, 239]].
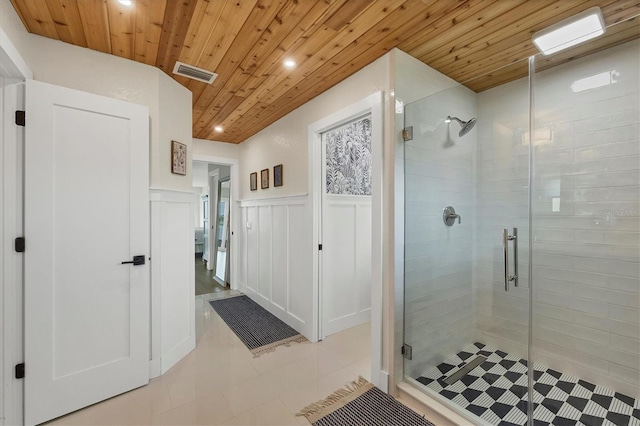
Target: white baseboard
[[383, 377], [172, 356], [154, 368]]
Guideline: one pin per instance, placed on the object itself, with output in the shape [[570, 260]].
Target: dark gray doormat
[[258, 329], [361, 403]]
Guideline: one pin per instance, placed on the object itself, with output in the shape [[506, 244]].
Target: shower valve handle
[[454, 217], [449, 216]]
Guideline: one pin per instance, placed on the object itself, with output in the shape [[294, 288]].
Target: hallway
[[220, 383]]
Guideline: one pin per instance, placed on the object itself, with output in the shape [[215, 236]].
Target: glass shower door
[[466, 318], [586, 251]]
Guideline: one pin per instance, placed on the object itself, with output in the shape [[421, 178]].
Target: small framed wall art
[[253, 181], [264, 179], [178, 158], [277, 175]]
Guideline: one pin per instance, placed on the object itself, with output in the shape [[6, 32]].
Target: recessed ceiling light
[[125, 2], [569, 32], [289, 63], [218, 129]]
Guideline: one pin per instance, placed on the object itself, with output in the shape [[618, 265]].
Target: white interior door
[[346, 226], [86, 212]]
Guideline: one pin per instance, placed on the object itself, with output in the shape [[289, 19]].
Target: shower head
[[466, 125]]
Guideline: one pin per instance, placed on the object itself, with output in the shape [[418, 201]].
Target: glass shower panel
[[439, 310], [466, 183], [586, 249]]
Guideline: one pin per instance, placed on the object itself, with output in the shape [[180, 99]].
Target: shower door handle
[[505, 253], [505, 250], [515, 256]]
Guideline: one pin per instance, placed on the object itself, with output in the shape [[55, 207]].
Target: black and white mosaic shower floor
[[496, 391]]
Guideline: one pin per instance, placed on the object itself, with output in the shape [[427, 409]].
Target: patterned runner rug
[[361, 403], [258, 329]]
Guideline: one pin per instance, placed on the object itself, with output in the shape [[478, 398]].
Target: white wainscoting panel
[[299, 297], [241, 244], [276, 254], [250, 216], [172, 278], [279, 238], [264, 252]]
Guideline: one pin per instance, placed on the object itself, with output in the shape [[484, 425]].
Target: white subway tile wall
[[586, 222]]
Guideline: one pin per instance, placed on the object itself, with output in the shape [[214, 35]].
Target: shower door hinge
[[407, 351], [407, 133]]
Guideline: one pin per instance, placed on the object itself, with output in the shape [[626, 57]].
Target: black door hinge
[[20, 371], [19, 245], [20, 118], [319, 246]]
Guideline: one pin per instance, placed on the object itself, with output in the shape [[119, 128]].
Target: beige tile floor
[[220, 383]]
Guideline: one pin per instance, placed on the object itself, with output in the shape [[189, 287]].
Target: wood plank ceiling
[[481, 43]]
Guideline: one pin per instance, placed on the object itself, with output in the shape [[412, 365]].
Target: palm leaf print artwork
[[348, 160]]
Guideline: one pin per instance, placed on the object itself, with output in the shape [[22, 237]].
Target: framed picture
[[277, 175], [253, 181], [264, 179], [178, 158]]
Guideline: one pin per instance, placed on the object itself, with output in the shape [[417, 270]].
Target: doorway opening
[[221, 243], [212, 185]]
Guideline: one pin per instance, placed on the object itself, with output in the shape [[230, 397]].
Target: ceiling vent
[[195, 73]]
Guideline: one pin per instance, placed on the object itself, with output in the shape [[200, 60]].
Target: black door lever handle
[[137, 260]]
